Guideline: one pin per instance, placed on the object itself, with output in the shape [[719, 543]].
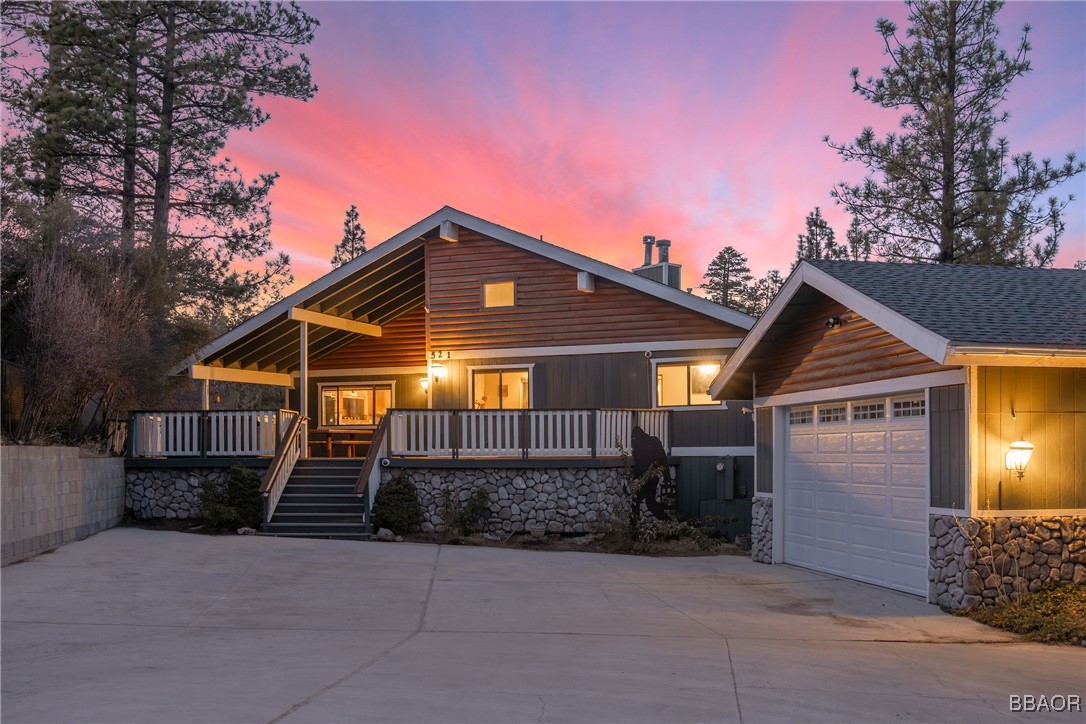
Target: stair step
[[317, 529], [321, 517], [352, 507], [318, 535], [332, 473], [320, 498], [326, 462]]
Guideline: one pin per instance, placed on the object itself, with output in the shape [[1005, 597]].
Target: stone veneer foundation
[[565, 500], [169, 492], [978, 561], [761, 530]]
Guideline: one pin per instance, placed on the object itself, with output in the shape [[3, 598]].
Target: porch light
[[1018, 456], [437, 372], [425, 382]]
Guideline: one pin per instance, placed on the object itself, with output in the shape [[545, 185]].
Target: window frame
[[504, 279], [321, 386], [529, 366], [688, 362]]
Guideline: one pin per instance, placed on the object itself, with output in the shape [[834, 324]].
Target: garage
[[856, 491]]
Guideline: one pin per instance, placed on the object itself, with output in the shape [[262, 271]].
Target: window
[[685, 383], [868, 411], [505, 389], [499, 294], [832, 414], [354, 405], [909, 408], [801, 417]]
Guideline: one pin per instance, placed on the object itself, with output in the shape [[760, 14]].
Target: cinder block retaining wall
[[566, 500], [51, 496], [978, 560]]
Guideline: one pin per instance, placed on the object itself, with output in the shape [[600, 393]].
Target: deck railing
[[217, 433], [291, 444], [520, 433]]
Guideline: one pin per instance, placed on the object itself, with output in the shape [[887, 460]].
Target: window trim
[[530, 366], [688, 361], [503, 279], [353, 383]]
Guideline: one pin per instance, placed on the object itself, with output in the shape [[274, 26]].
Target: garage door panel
[[870, 473], [833, 472], [869, 442], [833, 442], [855, 499], [908, 441]]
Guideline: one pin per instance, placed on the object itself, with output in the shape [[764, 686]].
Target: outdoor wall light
[[217, 399], [425, 382], [437, 372], [832, 322], [1018, 456]]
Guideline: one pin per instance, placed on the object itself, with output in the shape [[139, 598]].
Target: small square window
[[685, 383], [832, 414], [909, 408], [499, 294], [869, 411], [801, 417]]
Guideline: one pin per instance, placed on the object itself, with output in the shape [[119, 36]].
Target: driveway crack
[[367, 664]]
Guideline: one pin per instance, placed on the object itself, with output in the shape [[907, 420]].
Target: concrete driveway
[[142, 626]]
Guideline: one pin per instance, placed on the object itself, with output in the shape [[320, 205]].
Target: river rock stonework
[[565, 500], [979, 561], [761, 530], [168, 492]]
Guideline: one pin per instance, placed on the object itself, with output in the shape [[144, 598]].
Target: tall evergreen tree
[[353, 243], [762, 291], [148, 94], [946, 188], [727, 278]]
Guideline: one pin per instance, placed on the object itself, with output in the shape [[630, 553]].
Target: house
[[460, 350], [921, 427]]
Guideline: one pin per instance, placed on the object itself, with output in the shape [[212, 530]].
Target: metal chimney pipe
[[662, 245], [648, 241]]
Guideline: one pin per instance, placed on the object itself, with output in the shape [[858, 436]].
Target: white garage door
[[856, 493]]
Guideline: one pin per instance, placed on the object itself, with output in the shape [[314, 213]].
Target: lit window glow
[[499, 294]]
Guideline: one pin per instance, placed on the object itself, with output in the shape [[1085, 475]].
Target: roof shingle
[[968, 304]]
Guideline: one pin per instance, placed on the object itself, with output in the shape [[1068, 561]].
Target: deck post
[[303, 383], [205, 395], [592, 442], [524, 432]]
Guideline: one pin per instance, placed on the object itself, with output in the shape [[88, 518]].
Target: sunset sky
[[595, 123]]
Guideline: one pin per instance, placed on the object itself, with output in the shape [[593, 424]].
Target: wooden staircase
[[319, 501]]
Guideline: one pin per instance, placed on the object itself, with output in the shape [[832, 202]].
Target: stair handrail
[[377, 447], [287, 453]]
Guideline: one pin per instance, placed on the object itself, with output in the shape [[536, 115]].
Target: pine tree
[[762, 291], [945, 188], [820, 241], [148, 94], [353, 243], [727, 278]]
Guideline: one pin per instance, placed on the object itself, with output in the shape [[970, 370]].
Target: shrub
[[396, 506], [465, 518], [233, 503]]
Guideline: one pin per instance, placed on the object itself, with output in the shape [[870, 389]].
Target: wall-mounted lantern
[[1018, 456], [437, 372], [425, 382]]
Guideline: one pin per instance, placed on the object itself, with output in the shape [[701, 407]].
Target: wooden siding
[[402, 344], [1046, 407], [811, 356], [763, 449], [712, 427], [549, 310], [948, 446], [701, 492]]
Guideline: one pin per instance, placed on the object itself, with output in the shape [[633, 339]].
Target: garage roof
[[969, 304], [956, 314]]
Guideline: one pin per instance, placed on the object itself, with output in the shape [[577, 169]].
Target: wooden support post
[[303, 383], [205, 395]]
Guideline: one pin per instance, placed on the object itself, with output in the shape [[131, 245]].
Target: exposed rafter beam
[[327, 320], [449, 231], [229, 374]]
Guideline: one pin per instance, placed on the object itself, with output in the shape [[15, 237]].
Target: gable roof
[[271, 332], [955, 314], [975, 305]]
